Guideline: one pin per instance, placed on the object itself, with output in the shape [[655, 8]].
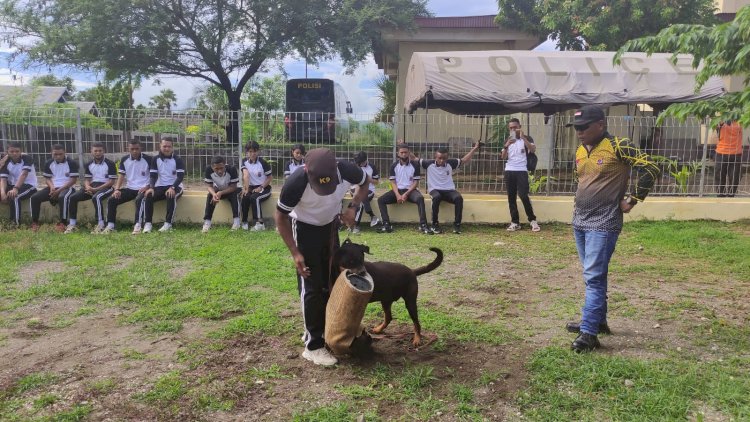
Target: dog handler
[[603, 166], [306, 213]]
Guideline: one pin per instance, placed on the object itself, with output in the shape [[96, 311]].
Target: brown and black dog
[[392, 281]]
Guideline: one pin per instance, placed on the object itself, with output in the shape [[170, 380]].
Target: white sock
[[111, 225], [72, 221], [236, 220], [207, 222]]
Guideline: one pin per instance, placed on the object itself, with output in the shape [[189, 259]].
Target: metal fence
[[686, 150]]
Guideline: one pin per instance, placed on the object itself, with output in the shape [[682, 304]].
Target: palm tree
[[164, 100], [387, 95]]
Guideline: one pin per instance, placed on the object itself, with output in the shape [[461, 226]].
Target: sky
[[360, 86]]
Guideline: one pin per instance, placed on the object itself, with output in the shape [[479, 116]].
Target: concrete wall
[[478, 208]]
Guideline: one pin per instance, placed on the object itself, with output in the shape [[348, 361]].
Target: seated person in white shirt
[[404, 179], [167, 172], [99, 175], [441, 187]]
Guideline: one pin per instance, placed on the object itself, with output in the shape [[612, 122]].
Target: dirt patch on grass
[[35, 272]]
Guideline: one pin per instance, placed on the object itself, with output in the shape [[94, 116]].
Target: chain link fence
[[686, 151]]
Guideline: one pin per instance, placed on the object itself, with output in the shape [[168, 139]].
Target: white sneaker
[[147, 228], [137, 228], [165, 228], [70, 229], [374, 221], [235, 227], [320, 357], [356, 230], [245, 226], [534, 226], [259, 227], [97, 230], [206, 227], [107, 230], [513, 227]]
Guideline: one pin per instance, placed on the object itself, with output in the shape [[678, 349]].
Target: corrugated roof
[[38, 95], [487, 21], [85, 106]]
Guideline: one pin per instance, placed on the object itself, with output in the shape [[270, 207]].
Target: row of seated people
[[146, 180]]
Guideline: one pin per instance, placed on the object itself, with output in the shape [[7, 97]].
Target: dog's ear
[[366, 249]]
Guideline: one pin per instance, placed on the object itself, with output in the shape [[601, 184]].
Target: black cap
[[587, 114], [322, 171]]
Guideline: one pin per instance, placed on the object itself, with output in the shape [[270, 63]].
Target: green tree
[[266, 94], [164, 100], [600, 24], [224, 42], [112, 94], [387, 94], [210, 97], [723, 50], [52, 80]]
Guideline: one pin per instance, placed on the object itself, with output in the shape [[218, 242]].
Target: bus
[[316, 111]]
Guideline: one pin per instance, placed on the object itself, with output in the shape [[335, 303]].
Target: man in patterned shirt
[[603, 167]]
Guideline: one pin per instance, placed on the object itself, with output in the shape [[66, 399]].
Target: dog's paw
[[416, 341]]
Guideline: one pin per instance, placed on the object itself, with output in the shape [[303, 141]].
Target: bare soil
[[530, 298]]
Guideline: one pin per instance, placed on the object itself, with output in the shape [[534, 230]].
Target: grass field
[[187, 326]]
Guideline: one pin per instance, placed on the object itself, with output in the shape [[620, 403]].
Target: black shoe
[[386, 228], [424, 229], [436, 229], [575, 327], [457, 228], [585, 343]]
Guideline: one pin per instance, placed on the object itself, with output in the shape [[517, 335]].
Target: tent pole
[[553, 121]]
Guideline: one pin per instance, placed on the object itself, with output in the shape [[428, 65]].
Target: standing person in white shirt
[[307, 215], [441, 187], [256, 186], [98, 177], [516, 148], [167, 172]]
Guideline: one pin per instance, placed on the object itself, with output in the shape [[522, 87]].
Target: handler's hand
[[299, 261], [625, 206]]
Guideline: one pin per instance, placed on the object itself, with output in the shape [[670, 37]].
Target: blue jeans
[[595, 250]]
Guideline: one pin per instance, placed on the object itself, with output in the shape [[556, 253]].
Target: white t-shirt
[[516, 156]]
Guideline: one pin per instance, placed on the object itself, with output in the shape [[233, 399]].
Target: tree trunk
[[233, 125]]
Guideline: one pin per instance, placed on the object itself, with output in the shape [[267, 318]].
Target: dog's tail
[[431, 266]]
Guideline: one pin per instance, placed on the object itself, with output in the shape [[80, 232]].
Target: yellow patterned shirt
[[603, 175]]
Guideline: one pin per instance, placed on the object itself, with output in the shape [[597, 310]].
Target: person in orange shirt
[[728, 158]]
